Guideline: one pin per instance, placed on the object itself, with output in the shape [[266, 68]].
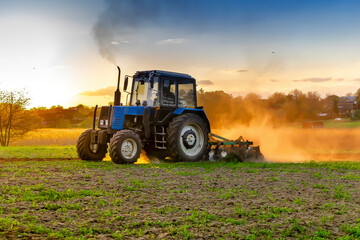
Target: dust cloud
[[143, 159], [288, 144], [274, 124]]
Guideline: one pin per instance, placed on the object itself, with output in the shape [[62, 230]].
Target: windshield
[[146, 95], [186, 95]]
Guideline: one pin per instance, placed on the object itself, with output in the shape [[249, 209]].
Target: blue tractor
[[162, 117]]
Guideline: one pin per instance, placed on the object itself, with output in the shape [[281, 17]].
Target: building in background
[[347, 106]]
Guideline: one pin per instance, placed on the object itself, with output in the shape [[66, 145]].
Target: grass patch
[[38, 152], [342, 124]]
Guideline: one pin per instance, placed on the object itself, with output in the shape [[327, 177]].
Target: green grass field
[[74, 199], [342, 123], [38, 152]]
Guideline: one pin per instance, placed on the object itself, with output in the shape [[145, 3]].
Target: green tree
[[331, 104], [277, 100], [357, 94], [14, 120]]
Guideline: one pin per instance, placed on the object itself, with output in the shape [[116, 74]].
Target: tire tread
[[83, 150], [114, 141], [172, 132]]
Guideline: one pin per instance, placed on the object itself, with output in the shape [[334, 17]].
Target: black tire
[[133, 142], [83, 148], [187, 138]]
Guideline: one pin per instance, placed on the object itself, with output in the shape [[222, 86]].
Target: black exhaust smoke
[[117, 95]]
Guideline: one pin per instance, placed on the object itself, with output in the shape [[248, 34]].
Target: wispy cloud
[[314, 79], [172, 41], [274, 80], [108, 91], [205, 82], [117, 42], [357, 80], [237, 70]]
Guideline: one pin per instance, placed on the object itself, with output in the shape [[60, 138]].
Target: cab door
[[168, 100]]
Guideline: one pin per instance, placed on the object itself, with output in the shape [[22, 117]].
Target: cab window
[[186, 95], [168, 92]]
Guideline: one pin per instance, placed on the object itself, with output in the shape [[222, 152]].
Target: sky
[[66, 52]]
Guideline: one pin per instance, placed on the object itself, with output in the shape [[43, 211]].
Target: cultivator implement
[[243, 151]]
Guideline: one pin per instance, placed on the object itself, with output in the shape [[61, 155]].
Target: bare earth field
[[224, 200]]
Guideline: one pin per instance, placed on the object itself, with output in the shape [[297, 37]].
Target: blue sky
[[71, 47]]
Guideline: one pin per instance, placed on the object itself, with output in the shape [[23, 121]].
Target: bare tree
[[14, 120]]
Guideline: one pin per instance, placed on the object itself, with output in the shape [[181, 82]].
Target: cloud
[[117, 43], [314, 79], [171, 41], [273, 80], [357, 80], [108, 91], [236, 70], [205, 82]]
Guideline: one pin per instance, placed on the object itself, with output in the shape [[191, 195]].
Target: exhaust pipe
[[117, 95], [94, 120]]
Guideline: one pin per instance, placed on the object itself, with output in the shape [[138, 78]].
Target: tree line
[[222, 109], [279, 108], [16, 120]]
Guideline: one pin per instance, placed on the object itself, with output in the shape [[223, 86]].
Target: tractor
[[161, 116]]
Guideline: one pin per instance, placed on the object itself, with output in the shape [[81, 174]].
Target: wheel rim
[[128, 148], [192, 139]]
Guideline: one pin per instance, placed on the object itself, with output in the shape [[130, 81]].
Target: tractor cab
[[162, 89]]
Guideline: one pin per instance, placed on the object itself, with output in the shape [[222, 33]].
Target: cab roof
[[163, 73]]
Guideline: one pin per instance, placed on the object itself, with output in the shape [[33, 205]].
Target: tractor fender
[[200, 112]]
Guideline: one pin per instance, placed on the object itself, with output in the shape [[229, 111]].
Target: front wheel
[[125, 147], [88, 151], [188, 137]]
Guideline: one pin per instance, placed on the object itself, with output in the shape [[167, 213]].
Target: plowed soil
[[76, 199]]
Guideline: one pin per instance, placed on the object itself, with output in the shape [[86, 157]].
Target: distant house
[[347, 105]]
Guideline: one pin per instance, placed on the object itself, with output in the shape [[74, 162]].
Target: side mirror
[[126, 83]]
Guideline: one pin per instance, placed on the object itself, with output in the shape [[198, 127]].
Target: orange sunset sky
[[65, 52]]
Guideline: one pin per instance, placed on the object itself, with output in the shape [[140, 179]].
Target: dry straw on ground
[[50, 136]]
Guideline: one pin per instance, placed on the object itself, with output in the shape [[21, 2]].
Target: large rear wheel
[[88, 151], [187, 138], [125, 147]]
